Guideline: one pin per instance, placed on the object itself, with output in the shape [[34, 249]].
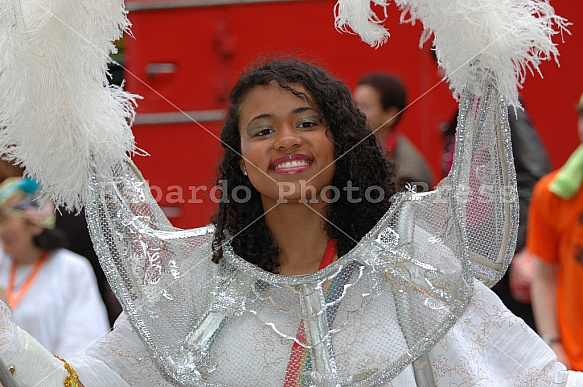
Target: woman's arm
[[33, 365], [544, 305]]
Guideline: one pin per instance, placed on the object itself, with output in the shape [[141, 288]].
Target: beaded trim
[[72, 380]]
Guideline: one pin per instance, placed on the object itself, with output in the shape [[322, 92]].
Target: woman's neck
[[300, 236], [29, 256]]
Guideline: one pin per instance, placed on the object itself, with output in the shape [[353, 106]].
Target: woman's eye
[[264, 132], [307, 124]]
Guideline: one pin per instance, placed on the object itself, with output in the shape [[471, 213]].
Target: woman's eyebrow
[[294, 111], [260, 117], [303, 109]]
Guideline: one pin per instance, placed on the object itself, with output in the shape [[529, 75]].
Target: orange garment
[[555, 235]]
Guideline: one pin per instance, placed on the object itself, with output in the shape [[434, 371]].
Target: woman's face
[[16, 236], [368, 100], [287, 149]]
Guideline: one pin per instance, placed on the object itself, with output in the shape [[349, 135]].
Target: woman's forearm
[[544, 306], [543, 292]]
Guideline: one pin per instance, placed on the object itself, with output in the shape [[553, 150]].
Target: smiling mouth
[[293, 164]]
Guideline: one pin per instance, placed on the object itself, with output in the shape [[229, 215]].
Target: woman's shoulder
[[68, 255], [69, 260]]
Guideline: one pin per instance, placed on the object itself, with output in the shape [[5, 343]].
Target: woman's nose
[[287, 138]]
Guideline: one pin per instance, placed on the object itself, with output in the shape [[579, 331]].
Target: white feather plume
[[58, 116], [506, 38], [358, 15]]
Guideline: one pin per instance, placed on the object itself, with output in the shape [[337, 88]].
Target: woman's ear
[[35, 229], [243, 167]]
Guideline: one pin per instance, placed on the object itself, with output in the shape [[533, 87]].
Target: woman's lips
[[291, 164]]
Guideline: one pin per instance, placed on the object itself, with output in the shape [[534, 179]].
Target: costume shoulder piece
[[365, 317]]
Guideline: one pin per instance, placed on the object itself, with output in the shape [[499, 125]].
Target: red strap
[[329, 254], [295, 358]]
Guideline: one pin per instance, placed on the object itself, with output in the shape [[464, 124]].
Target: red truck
[[187, 54]]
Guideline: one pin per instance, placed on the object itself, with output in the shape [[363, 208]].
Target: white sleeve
[[118, 359], [489, 346], [95, 373], [575, 379]]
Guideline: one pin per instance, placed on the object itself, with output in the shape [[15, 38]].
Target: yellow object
[[72, 380]]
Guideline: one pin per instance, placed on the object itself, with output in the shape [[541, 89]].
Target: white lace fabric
[[475, 352]]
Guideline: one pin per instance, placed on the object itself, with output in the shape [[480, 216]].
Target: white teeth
[[292, 164]]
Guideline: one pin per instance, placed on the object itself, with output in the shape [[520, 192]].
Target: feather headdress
[[507, 38], [58, 115]]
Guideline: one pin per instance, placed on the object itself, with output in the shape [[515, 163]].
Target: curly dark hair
[[359, 159]]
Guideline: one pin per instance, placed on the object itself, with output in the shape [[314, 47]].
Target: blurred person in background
[[555, 237], [76, 238], [52, 291], [382, 97]]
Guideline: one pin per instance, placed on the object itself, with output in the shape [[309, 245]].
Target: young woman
[[295, 209]]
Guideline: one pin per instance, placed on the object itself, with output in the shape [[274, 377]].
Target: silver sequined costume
[[403, 293]]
